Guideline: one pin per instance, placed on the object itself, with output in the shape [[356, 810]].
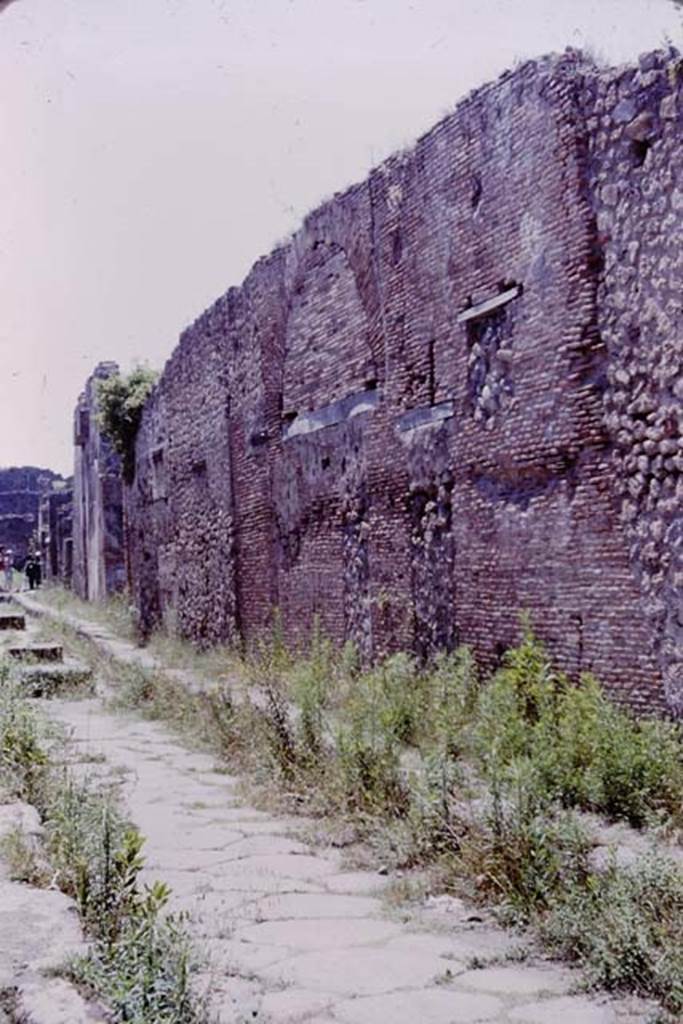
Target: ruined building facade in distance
[[98, 558], [55, 532], [454, 395], [22, 490]]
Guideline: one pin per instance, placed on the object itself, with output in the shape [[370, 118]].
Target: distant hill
[[21, 488]]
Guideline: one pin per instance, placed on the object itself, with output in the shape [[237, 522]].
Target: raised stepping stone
[[37, 652], [12, 620], [50, 679]]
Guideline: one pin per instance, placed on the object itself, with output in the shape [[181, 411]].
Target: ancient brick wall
[[98, 557], [21, 490], [422, 415], [181, 506]]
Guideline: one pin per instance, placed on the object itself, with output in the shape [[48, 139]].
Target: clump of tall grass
[[26, 741]]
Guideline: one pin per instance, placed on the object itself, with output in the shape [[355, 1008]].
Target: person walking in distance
[[8, 566], [30, 570]]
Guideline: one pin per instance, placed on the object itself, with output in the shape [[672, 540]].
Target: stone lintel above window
[[489, 305]]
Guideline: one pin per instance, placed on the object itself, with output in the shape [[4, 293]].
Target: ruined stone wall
[[21, 490], [98, 545], [55, 529], [403, 423], [636, 130]]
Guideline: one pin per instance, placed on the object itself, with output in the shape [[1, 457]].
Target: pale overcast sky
[[152, 150]]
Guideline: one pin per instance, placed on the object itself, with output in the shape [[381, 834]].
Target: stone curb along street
[[289, 934], [39, 932]]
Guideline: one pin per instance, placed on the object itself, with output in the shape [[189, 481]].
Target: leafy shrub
[[380, 715], [274, 714], [23, 858], [594, 755], [390, 700], [586, 751], [310, 680], [25, 741], [225, 722], [521, 852], [121, 400], [432, 818], [370, 768], [453, 693], [624, 927], [519, 695], [144, 974]]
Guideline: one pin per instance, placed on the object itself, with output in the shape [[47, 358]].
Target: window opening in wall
[[489, 340]]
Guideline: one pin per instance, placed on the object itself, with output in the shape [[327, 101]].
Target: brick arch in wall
[[327, 359], [327, 352]]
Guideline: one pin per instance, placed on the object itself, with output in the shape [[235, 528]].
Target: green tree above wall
[[121, 400]]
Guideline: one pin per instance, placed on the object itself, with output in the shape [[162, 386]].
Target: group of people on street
[[32, 568]]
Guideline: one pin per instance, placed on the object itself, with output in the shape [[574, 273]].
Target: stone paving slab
[[54, 1001], [430, 1006]]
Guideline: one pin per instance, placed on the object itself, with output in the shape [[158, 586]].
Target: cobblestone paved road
[[290, 935]]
